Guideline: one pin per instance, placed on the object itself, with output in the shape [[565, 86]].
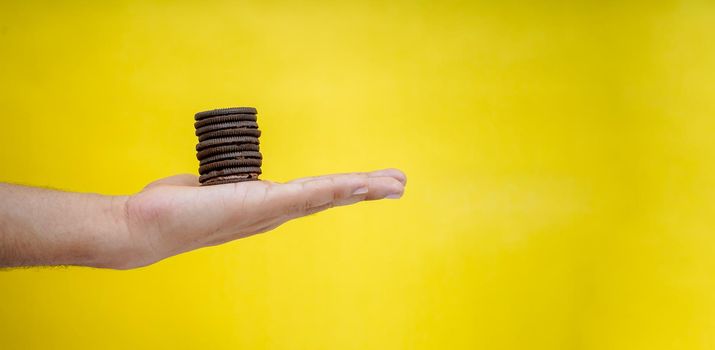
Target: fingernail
[[361, 190], [394, 196]]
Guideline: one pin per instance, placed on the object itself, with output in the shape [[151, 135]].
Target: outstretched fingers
[[311, 195], [390, 172]]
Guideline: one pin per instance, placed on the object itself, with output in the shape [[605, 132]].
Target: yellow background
[[561, 164]]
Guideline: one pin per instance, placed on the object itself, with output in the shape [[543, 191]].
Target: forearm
[[47, 227]]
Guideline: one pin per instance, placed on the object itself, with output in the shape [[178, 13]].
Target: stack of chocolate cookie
[[228, 145]]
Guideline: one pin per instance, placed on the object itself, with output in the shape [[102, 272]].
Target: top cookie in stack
[[228, 148]]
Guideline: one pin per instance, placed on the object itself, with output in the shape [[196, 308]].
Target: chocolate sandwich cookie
[[218, 134], [224, 111], [231, 163], [224, 119], [231, 155], [227, 125], [212, 151], [228, 148], [227, 141], [241, 172]]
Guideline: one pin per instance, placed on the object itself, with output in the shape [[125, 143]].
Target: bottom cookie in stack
[[228, 148]]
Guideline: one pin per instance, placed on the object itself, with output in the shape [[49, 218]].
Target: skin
[[168, 217]]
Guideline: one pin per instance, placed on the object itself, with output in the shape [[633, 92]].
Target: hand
[[175, 215]]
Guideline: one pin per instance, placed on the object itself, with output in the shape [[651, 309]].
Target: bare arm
[[168, 217]]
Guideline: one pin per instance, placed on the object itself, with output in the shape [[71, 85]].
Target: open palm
[[175, 214]]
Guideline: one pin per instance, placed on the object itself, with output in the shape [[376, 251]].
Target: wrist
[[107, 241], [126, 241]]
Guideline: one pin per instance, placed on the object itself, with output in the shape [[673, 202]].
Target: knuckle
[[307, 205]]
